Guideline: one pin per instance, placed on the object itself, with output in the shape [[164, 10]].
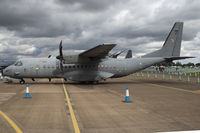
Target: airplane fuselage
[[90, 71]]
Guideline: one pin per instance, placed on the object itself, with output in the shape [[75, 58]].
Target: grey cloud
[[82, 24], [89, 5]]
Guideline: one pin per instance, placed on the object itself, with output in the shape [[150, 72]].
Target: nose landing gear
[[22, 81]]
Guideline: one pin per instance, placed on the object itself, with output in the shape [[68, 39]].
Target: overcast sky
[[34, 28]]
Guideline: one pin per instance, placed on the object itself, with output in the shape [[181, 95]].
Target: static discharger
[[127, 97], [27, 92]]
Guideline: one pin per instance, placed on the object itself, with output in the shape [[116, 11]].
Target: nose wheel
[[22, 81]]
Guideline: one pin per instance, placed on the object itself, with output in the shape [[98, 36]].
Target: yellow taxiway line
[[74, 121], [17, 129], [173, 88]]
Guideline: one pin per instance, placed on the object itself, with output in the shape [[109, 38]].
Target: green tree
[[178, 64], [197, 65]]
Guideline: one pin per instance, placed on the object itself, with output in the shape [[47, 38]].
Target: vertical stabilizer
[[172, 45], [129, 54]]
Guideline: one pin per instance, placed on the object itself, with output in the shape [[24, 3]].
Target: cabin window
[[73, 66], [69, 66]]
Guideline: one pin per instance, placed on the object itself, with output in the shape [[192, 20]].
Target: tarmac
[[156, 106]]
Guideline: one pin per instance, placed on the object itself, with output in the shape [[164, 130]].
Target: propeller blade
[[61, 53], [60, 57]]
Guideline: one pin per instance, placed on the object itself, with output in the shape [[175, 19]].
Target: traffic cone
[[27, 92], [185, 74], [198, 80], [1, 77], [148, 75], [180, 78], [127, 98], [142, 75], [195, 74], [163, 76], [188, 79], [137, 75], [156, 76], [170, 77]]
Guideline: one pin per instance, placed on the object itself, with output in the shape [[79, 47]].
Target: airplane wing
[[99, 51]]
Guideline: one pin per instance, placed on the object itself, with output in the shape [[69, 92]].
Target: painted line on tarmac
[[17, 129], [173, 88], [74, 121]]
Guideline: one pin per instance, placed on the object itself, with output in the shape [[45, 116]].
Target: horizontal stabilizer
[[129, 54], [178, 58]]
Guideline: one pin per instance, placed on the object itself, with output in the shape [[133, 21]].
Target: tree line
[[189, 64]]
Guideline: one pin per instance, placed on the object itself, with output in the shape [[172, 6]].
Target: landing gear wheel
[[22, 81], [96, 82]]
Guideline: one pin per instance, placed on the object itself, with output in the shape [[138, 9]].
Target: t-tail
[[172, 46]]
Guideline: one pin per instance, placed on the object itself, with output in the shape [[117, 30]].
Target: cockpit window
[[18, 63]]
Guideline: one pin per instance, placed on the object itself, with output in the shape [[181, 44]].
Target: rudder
[[172, 45]]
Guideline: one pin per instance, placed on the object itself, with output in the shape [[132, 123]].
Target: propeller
[[60, 57]]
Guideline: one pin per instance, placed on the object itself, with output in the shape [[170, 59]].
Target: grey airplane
[[94, 64]]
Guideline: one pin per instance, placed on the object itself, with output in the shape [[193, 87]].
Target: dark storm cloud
[[15, 15], [88, 5], [40, 19], [82, 24]]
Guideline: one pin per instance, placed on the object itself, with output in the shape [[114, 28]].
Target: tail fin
[[129, 54], [172, 45]]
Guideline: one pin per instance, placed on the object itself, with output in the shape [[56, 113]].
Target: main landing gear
[[22, 81]]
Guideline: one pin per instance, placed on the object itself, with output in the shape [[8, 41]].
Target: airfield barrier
[[182, 75]]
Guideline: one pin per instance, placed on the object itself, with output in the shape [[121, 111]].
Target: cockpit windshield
[[18, 63]]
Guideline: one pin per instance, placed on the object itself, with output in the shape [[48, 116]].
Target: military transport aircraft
[[94, 64]]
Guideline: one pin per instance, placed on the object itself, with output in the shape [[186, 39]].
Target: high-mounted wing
[[99, 51]]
